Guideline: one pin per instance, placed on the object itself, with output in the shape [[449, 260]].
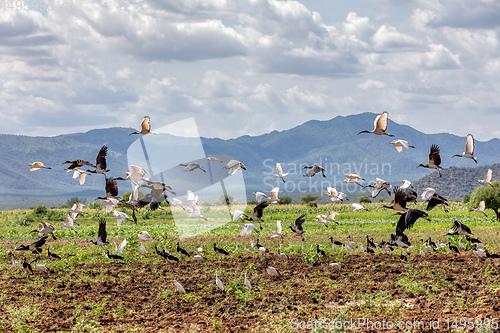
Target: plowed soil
[[123, 297]]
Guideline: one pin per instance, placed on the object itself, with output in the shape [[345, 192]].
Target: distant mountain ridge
[[333, 143]]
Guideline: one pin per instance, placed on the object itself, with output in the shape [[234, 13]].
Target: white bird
[[134, 196], [380, 125], [259, 196], [69, 222], [379, 185], [142, 249], [42, 268], [460, 244], [119, 249], [110, 203], [320, 219], [144, 235], [356, 206], [469, 149], [277, 231], [480, 208], [352, 178], [274, 195], [334, 195], [246, 250], [218, 282], [331, 215], [247, 229], [487, 179], [44, 228], [351, 243], [37, 166], [422, 253], [347, 247], [280, 173], [237, 214], [120, 217], [400, 144], [145, 126], [179, 287], [405, 184], [233, 166], [192, 197], [427, 193], [252, 244], [76, 209], [197, 257], [247, 282], [195, 212], [201, 250], [15, 264], [80, 174], [213, 159]]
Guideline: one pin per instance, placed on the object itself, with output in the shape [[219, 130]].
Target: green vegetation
[[491, 197]]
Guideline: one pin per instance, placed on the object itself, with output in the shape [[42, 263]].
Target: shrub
[[364, 199], [40, 210]]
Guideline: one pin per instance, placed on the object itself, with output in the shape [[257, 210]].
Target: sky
[[247, 67]]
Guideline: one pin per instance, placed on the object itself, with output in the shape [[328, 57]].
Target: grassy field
[[85, 291]]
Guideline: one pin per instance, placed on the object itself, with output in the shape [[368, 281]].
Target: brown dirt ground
[[379, 287]]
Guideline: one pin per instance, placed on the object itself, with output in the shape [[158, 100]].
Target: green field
[[85, 264]]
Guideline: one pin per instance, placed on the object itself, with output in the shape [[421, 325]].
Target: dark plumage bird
[[399, 200], [261, 247], [453, 248], [112, 256], [459, 228], [165, 255], [52, 255], [191, 166], [402, 257], [156, 196], [435, 200], [370, 243], [297, 227], [408, 219], [434, 160], [314, 169], [320, 252], [220, 250], [27, 266], [111, 188], [410, 194], [77, 163], [102, 234], [257, 213], [181, 250], [100, 161], [35, 247]]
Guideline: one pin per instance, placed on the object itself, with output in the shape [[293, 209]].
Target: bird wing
[[469, 146], [434, 157], [279, 169], [257, 211], [278, 226], [138, 170], [122, 245], [399, 197], [111, 187], [488, 175], [412, 215], [298, 222], [398, 146], [100, 161], [40, 242], [102, 230], [145, 124], [482, 206], [381, 121], [427, 194]]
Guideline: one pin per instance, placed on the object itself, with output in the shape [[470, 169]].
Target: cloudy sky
[[249, 66]]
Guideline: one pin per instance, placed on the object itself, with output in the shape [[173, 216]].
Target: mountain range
[[334, 144]]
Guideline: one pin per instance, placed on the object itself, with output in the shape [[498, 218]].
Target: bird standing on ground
[[434, 160], [469, 149], [280, 173], [380, 125], [247, 282], [145, 126], [459, 228], [218, 282], [37, 166], [277, 231], [179, 287], [220, 250]]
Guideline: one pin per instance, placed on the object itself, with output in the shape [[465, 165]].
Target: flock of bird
[[402, 196]]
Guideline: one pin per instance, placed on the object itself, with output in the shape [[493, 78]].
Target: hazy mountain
[[334, 144]]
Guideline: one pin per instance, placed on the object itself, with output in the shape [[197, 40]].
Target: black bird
[[77, 163], [370, 243], [409, 218], [164, 254], [261, 247], [181, 250], [27, 266], [314, 169], [459, 228], [52, 255], [434, 160], [102, 234], [320, 252], [399, 200], [219, 250], [156, 196], [297, 228], [411, 195], [100, 161], [435, 200], [370, 250], [492, 255], [403, 257], [453, 248], [112, 256], [35, 247], [336, 242], [257, 213]]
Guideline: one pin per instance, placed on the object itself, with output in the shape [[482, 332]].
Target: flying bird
[[314, 169], [434, 160], [357, 206], [80, 174], [274, 195], [191, 166], [37, 166], [405, 184], [77, 163], [461, 229], [280, 173], [259, 196], [135, 175], [247, 229], [233, 166], [435, 200], [238, 214], [120, 217], [100, 161], [379, 185], [408, 219], [257, 213], [400, 144], [45, 228], [479, 209], [380, 125], [469, 149], [119, 249], [277, 231], [144, 235], [334, 195], [76, 209], [487, 178], [213, 159], [297, 226], [399, 200], [145, 127], [102, 234], [70, 223], [352, 178], [35, 247]]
